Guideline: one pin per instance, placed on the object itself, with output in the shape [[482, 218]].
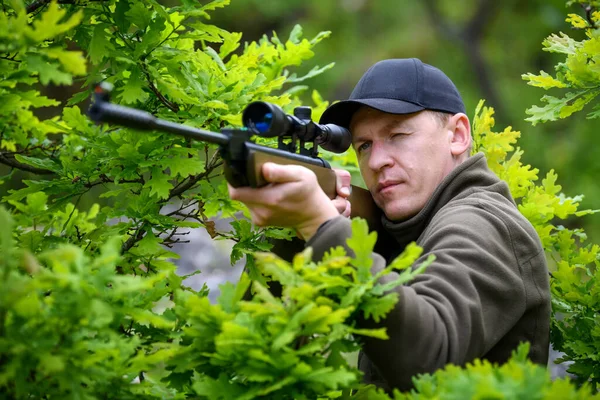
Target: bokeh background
[[483, 45]]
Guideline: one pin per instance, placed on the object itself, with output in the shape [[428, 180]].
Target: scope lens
[[265, 119], [263, 125], [258, 116]]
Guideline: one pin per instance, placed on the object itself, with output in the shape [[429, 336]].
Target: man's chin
[[398, 213]]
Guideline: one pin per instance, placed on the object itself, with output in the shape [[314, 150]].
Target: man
[[488, 289]]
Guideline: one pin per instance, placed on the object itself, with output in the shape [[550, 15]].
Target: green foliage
[[27, 56], [165, 60], [71, 326], [288, 347], [89, 304], [578, 74], [519, 378], [575, 281]]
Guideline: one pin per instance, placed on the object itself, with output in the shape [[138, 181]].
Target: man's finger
[[235, 193], [247, 194], [346, 213], [342, 205], [277, 173], [342, 182]]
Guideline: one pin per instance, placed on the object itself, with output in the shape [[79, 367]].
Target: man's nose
[[379, 157]]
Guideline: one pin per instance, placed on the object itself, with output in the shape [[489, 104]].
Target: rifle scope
[[269, 120]]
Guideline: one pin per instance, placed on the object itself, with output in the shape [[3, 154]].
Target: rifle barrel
[[102, 111]]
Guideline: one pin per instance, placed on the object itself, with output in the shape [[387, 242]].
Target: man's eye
[[362, 147]]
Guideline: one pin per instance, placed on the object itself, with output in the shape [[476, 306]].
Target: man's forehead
[[382, 120]]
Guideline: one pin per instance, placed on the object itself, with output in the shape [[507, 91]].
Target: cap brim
[[341, 113]]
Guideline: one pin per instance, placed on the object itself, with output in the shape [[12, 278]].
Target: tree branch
[[24, 167], [37, 4], [588, 15], [136, 237], [10, 58], [469, 37], [185, 186], [105, 179], [169, 104], [211, 165], [182, 187], [485, 10], [445, 29]]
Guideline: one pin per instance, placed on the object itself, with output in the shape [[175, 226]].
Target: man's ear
[[459, 131]]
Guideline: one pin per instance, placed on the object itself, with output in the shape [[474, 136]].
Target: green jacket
[[487, 291]]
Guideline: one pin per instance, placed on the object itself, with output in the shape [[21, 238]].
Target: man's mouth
[[384, 186]]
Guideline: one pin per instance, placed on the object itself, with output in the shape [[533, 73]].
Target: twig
[[169, 241], [176, 192], [41, 3], [24, 167], [182, 207], [169, 104], [166, 38], [588, 15], [105, 179], [11, 58], [72, 212], [210, 163], [136, 237], [206, 224], [119, 33]]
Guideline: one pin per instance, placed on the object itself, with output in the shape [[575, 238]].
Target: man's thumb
[[342, 182], [277, 173]]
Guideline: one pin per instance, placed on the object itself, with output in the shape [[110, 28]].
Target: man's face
[[402, 158]]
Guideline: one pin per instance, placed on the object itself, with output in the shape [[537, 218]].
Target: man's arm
[[457, 310]]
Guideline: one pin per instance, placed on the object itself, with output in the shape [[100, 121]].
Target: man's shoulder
[[478, 205], [487, 217], [482, 198]]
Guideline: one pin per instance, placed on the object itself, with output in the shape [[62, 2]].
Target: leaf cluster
[[150, 189], [32, 51], [288, 347], [71, 326], [518, 378], [578, 75], [575, 280]]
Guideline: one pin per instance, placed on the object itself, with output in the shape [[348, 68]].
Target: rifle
[[243, 159]]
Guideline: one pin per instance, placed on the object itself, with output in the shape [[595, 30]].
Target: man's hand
[[293, 199], [342, 185]]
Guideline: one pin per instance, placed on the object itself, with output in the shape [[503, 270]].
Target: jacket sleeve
[[462, 305]]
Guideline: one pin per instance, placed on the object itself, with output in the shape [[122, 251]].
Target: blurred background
[[483, 45]]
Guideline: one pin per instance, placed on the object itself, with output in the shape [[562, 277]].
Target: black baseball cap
[[398, 86]]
